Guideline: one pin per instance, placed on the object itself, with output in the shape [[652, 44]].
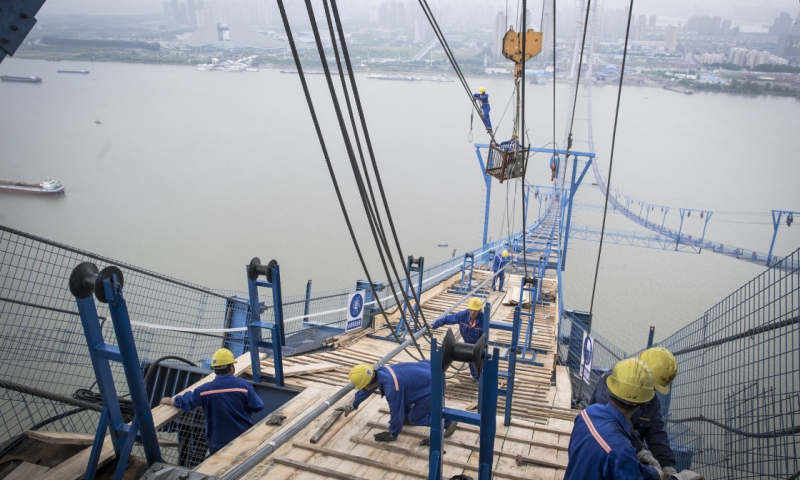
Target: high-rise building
[[500, 29], [671, 41], [789, 44], [652, 22], [782, 24]]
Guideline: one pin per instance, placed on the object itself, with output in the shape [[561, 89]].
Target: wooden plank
[[26, 471], [563, 396], [75, 467], [365, 461], [299, 370], [325, 426], [67, 438], [326, 472]]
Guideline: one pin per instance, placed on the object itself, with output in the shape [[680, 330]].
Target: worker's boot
[[448, 432]]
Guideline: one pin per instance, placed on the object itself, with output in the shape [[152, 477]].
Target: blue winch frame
[[485, 419], [277, 338], [141, 429]]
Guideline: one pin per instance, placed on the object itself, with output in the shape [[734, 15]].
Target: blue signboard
[[355, 311]]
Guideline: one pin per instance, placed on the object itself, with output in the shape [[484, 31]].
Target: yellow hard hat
[[631, 381], [664, 367], [361, 376], [475, 303], [505, 253], [222, 357], [481, 90]]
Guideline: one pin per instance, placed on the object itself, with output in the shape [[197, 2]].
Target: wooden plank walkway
[[533, 446]]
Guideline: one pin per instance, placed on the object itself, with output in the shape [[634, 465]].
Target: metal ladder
[[277, 340]]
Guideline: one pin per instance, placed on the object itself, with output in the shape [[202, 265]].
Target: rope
[[776, 433]]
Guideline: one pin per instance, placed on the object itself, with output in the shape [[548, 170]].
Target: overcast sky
[[737, 10]]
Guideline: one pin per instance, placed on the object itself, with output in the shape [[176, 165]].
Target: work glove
[[275, 418], [645, 457], [347, 409], [385, 437], [669, 471]]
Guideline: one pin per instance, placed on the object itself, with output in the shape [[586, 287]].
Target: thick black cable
[[324, 147], [449, 53], [610, 163], [524, 29], [377, 231], [371, 152], [320, 136]]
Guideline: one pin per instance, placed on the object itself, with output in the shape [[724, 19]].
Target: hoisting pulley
[[512, 48]]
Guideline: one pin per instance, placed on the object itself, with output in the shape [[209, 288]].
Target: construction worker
[[470, 324], [227, 402], [483, 97], [407, 388], [647, 422], [499, 265], [600, 445]]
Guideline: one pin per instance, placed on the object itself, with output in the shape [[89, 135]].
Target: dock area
[[532, 446]]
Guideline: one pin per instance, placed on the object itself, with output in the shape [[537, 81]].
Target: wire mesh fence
[[43, 347], [734, 408]]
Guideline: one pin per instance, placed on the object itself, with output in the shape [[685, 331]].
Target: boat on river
[[26, 79], [48, 186]]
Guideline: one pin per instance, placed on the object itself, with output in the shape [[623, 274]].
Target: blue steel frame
[[277, 338], [485, 419], [573, 186], [462, 288], [420, 267], [776, 223], [142, 428]]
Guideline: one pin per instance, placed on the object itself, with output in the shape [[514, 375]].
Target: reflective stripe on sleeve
[[223, 390], [594, 432], [396, 384]]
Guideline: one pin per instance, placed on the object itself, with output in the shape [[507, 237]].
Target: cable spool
[[414, 261], [463, 352], [87, 279], [469, 255], [256, 268]]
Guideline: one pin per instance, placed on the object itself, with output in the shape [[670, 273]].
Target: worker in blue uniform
[[600, 446], [648, 424], [499, 269], [470, 324], [407, 388], [227, 402], [483, 97]]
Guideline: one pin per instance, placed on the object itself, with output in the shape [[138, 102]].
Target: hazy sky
[[737, 10]]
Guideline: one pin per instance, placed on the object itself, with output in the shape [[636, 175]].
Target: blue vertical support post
[[680, 227], [487, 367], [572, 189], [106, 285], [467, 256], [308, 301], [412, 265], [487, 179], [650, 336], [776, 222], [277, 337]]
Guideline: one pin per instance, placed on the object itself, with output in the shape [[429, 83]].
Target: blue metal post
[[308, 300], [143, 416], [572, 189], [277, 337], [487, 179], [776, 222], [412, 265], [650, 336]]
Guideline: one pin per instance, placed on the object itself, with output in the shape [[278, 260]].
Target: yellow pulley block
[[512, 47]]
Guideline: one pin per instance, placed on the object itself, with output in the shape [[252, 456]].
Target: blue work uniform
[[470, 332], [648, 425], [600, 448], [407, 388], [227, 402], [484, 99], [498, 266]]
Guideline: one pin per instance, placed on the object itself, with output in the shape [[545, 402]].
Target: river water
[[191, 174]]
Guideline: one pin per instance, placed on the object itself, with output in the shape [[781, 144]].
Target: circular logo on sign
[[587, 351], [356, 305]]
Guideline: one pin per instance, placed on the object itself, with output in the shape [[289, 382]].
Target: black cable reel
[[463, 352], [87, 279], [255, 269]]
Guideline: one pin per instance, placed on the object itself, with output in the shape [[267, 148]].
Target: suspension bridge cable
[[324, 147], [414, 293], [610, 161], [357, 174]]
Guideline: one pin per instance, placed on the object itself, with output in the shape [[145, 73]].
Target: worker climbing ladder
[[106, 285]]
